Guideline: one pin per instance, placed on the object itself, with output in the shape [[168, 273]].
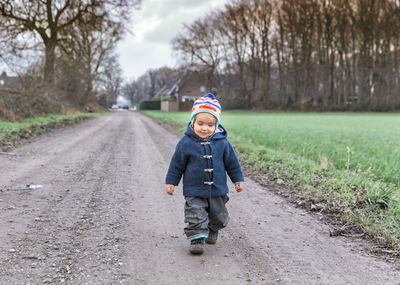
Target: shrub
[[149, 105], [21, 106]]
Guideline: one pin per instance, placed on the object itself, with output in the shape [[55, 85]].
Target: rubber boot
[[197, 246]]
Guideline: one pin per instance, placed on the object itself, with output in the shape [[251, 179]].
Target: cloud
[[167, 29], [137, 57], [154, 26], [173, 18]]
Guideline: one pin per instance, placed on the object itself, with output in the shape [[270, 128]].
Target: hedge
[[150, 105]]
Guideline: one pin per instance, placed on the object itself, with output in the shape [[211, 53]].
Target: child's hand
[[239, 186], [170, 189]]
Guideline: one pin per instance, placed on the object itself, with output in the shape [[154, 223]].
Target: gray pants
[[203, 214]]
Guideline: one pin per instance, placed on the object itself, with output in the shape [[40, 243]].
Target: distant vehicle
[[114, 107], [125, 107]]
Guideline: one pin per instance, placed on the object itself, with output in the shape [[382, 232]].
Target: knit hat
[[206, 104]]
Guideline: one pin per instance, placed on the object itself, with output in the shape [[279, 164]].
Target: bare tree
[[200, 42], [89, 45], [47, 20], [258, 29], [112, 80]]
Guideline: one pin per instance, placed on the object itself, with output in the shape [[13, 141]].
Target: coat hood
[[220, 133]]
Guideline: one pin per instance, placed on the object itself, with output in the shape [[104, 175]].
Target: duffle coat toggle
[[209, 162], [207, 156]]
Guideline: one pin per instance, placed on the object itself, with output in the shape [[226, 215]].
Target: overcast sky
[[154, 26]]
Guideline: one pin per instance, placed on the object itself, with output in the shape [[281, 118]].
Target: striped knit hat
[[206, 104]]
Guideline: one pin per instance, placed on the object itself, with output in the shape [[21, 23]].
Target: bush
[[150, 105], [21, 106]]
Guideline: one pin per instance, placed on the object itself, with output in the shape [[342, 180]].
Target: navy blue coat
[[204, 164]]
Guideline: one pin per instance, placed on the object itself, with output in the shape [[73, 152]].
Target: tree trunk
[[49, 65]]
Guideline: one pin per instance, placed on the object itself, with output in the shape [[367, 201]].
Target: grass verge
[[344, 166], [13, 132]]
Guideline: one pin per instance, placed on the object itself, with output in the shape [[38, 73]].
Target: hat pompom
[[210, 95]]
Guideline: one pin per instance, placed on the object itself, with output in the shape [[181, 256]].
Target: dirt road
[[102, 217]]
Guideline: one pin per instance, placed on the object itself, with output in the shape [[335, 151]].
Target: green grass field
[[341, 157], [14, 131], [360, 141]]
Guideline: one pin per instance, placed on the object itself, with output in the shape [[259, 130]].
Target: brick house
[[186, 90]]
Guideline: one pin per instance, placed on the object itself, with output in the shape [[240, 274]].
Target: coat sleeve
[[232, 164], [177, 166]]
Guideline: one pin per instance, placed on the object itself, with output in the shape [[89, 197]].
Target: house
[[6, 81], [185, 91]]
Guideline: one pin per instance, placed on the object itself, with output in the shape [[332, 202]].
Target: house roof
[[181, 81], [192, 83], [162, 92]]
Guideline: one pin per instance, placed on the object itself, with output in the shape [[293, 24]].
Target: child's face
[[204, 125]]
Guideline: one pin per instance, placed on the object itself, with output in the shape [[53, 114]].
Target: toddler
[[203, 156]]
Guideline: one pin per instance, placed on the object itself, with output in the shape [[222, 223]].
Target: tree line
[[69, 46], [300, 54]]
